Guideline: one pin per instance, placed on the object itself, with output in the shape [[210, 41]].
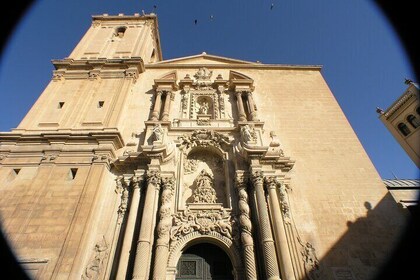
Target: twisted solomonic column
[[163, 227], [148, 221], [246, 228], [268, 247], [286, 266]]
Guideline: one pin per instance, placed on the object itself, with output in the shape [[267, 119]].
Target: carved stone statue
[[204, 108], [157, 132], [203, 74], [204, 193], [247, 134]]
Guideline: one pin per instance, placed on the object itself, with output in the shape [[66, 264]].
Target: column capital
[[168, 182], [271, 182], [257, 177], [153, 177], [241, 179]]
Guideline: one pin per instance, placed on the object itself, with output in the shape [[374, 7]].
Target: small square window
[[101, 104], [60, 105]]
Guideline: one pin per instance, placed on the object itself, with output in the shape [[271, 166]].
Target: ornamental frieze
[[204, 222]]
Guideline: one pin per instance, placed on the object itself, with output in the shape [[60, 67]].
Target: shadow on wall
[[357, 251]]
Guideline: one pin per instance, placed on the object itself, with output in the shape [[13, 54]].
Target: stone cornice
[[73, 137], [91, 68], [411, 93]]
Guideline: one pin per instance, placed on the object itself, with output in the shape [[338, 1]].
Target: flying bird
[[272, 6], [195, 22], [211, 17]]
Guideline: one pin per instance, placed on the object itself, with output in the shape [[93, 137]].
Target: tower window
[[413, 121], [403, 128], [119, 31], [418, 111], [101, 104], [72, 173], [60, 105]]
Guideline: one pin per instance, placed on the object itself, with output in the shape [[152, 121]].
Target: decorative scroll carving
[[204, 193], [204, 221], [204, 138], [94, 268]]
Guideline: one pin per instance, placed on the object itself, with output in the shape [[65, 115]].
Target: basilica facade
[[129, 166]]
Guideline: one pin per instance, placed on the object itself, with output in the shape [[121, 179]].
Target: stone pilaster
[[279, 232], [145, 241], [246, 228], [268, 247], [164, 225]]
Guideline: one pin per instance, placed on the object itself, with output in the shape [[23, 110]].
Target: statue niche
[[204, 178]]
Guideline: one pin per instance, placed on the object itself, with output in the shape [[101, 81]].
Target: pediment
[[204, 59]]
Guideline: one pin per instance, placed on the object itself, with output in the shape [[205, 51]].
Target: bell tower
[[120, 37], [89, 88]]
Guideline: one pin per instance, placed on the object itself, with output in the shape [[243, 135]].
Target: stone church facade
[[129, 166]]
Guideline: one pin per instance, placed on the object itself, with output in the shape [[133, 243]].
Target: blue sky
[[364, 63]]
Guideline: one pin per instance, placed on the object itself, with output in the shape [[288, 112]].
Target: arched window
[[413, 121], [403, 128]]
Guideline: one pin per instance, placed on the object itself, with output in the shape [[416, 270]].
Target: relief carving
[[204, 138], [248, 134], [158, 132], [204, 193], [204, 221], [94, 268], [310, 260]]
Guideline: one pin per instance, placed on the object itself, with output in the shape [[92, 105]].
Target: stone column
[[246, 228], [279, 231], [129, 231], [156, 107], [268, 247], [251, 106], [145, 240], [164, 225], [241, 111], [166, 107]]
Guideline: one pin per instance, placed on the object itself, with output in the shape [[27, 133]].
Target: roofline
[[171, 63], [236, 66]]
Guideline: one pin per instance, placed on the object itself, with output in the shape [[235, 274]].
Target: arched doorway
[[204, 261]]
